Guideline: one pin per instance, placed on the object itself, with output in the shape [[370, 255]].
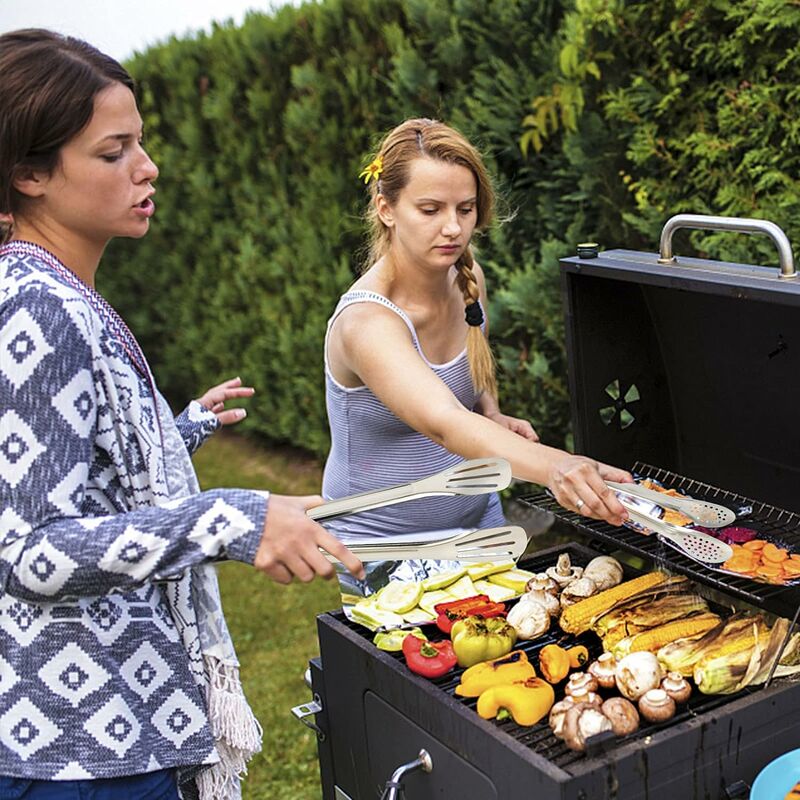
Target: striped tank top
[[371, 448]]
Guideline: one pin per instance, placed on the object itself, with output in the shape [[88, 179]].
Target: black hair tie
[[474, 314]]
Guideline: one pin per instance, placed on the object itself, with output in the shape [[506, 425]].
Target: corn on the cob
[[630, 607], [579, 617], [732, 636], [652, 639], [655, 612], [723, 674]]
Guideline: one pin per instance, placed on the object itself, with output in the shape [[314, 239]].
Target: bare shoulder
[[369, 324]]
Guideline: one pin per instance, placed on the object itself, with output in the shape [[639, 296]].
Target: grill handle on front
[[737, 224], [393, 786]]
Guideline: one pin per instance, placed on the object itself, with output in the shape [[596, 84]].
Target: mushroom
[[637, 673], [656, 705], [582, 721], [604, 670], [605, 571], [529, 618], [622, 715], [541, 582], [548, 600], [580, 682], [585, 696], [677, 687], [557, 714], [563, 572], [579, 589]]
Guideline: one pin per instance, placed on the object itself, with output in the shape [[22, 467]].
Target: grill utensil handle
[[738, 224], [394, 785]]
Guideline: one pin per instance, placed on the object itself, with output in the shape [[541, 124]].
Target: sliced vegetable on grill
[[526, 702], [441, 580], [484, 569], [454, 610], [476, 639], [579, 617], [510, 668], [516, 579], [399, 596], [428, 659], [392, 641]]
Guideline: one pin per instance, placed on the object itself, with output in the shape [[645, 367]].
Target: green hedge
[[598, 118]]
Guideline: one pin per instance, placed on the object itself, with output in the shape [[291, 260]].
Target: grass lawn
[[273, 627]]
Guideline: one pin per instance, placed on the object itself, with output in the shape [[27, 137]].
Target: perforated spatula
[[699, 511], [697, 545], [485, 544], [477, 476]]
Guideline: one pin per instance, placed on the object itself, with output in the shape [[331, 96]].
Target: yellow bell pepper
[[510, 668], [555, 662], [527, 702], [476, 639]]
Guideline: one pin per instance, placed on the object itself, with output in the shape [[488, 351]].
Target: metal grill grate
[[539, 737], [778, 524]]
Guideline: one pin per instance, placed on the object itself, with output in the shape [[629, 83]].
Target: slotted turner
[[697, 545], [477, 476], [485, 544], [699, 511]]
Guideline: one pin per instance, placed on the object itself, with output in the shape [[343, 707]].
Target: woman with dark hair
[[410, 381], [117, 674]]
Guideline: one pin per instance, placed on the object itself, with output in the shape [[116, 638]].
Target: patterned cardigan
[[95, 681]]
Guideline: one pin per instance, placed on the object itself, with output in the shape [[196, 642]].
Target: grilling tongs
[[477, 476]]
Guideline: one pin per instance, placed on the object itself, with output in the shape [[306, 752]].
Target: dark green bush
[[598, 118]]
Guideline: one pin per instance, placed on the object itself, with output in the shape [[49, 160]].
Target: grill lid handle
[[738, 224]]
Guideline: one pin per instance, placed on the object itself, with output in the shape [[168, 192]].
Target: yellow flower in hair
[[372, 172]]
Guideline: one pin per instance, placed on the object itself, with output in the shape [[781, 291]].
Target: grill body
[[378, 715], [691, 367]]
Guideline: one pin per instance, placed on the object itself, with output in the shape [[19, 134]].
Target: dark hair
[[48, 83]]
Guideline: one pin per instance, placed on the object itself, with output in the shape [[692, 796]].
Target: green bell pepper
[[476, 639]]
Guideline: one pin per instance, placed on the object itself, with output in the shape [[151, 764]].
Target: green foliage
[[598, 118]]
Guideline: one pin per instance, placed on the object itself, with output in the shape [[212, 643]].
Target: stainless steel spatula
[[485, 544], [697, 545], [699, 511], [477, 476]]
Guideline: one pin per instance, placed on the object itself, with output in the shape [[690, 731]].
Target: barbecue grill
[[692, 367]]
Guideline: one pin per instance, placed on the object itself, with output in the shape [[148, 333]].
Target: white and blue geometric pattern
[[76, 403], [19, 448], [179, 718], [134, 553], [45, 569], [25, 350], [73, 674], [114, 726], [100, 675], [25, 729], [146, 671]]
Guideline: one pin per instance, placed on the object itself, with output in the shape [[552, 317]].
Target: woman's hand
[[578, 484], [291, 540], [521, 427], [215, 398]]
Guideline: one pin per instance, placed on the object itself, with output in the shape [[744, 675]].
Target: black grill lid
[[778, 525], [693, 366]]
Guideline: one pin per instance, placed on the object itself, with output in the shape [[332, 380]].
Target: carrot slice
[[773, 553], [754, 544]]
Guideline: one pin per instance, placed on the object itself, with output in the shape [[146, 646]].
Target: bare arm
[[374, 344]]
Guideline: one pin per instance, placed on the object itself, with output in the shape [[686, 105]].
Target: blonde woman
[[410, 379]]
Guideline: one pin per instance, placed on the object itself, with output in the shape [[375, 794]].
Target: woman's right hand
[[578, 483], [291, 540]]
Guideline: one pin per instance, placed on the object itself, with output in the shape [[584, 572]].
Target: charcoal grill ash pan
[[690, 365]]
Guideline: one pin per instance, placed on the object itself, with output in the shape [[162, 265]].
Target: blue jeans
[[159, 785]]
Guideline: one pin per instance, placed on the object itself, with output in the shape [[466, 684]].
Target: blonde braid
[[479, 354]]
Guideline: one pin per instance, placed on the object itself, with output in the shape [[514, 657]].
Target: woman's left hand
[[216, 397], [521, 427]]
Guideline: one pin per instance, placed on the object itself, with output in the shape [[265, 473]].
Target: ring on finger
[[579, 504]]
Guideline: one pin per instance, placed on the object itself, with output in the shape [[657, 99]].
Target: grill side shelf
[[778, 524]]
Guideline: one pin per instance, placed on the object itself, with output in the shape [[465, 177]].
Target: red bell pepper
[[478, 606], [429, 659]]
